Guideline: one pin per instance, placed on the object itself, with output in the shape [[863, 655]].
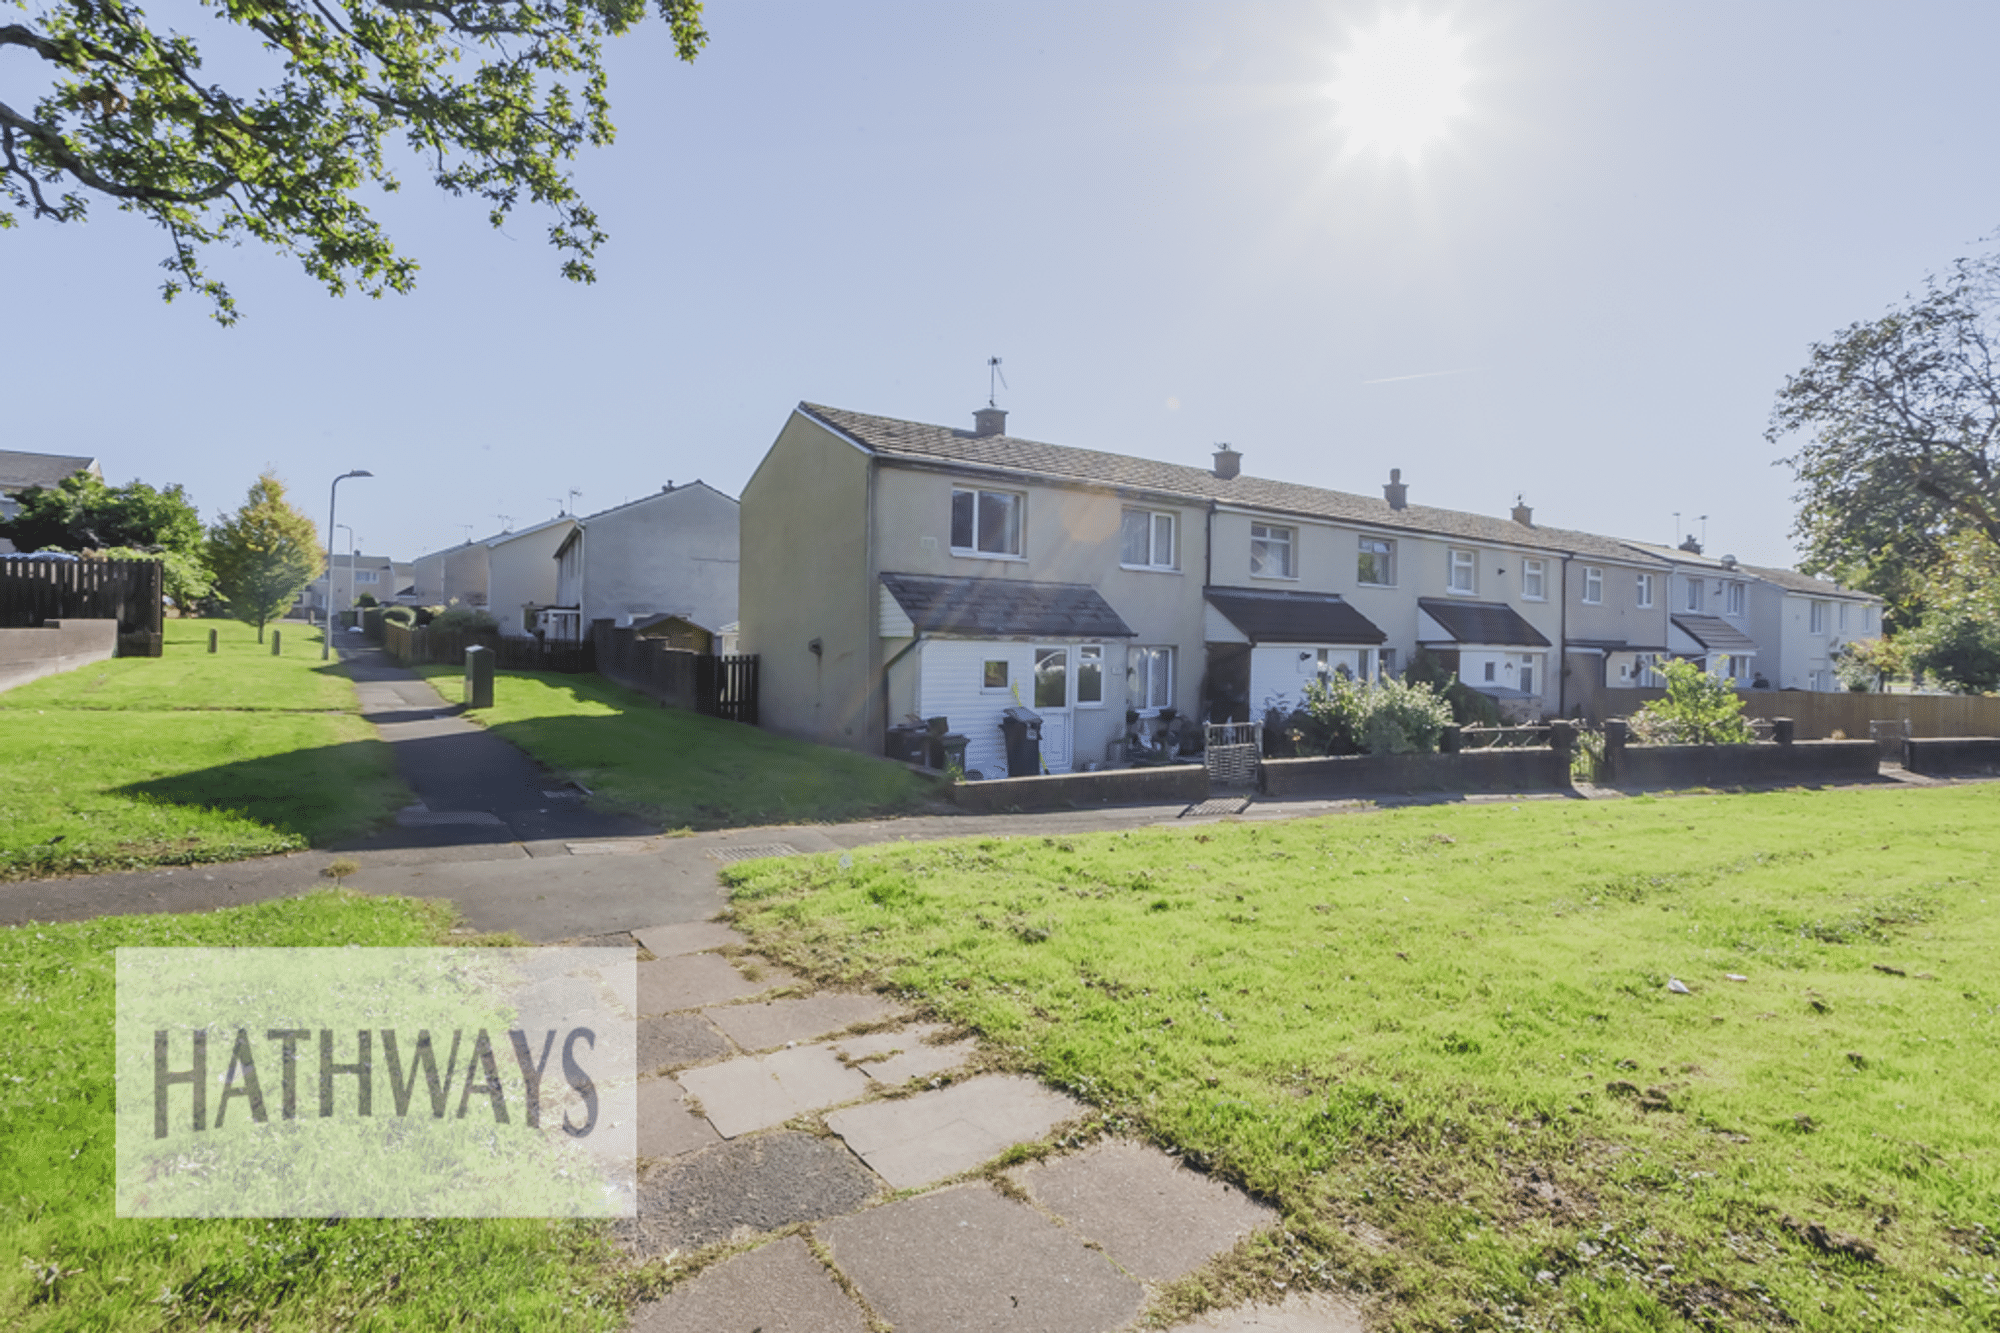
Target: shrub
[[1862, 664], [463, 620], [399, 615], [1698, 709], [366, 599], [1469, 708], [1345, 716]]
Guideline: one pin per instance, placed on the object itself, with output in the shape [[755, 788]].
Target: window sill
[[1526, 598], [1275, 578], [987, 555], [1149, 569], [1461, 592], [1386, 587], [1599, 602]]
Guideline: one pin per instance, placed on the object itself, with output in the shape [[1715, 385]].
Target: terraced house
[[892, 569]]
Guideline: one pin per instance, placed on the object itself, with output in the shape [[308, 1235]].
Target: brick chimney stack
[[1522, 514], [1228, 462], [1396, 493], [989, 421]]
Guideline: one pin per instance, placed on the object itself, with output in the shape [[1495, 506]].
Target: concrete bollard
[[277, 641], [478, 677], [211, 641]]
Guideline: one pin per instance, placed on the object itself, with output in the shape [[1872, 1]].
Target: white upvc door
[[1055, 695]]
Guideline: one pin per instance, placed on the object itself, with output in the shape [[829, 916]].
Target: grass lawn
[[85, 1268], [678, 767], [1443, 1039], [187, 758]]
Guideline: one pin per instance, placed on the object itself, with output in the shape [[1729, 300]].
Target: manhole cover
[[752, 852], [1220, 805]]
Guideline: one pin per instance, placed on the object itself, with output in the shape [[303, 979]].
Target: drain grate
[[752, 852], [1220, 805]]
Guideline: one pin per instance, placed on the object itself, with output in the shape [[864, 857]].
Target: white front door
[[1053, 697]]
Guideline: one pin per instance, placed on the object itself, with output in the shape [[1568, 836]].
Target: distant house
[[383, 578], [20, 471], [672, 554], [1803, 622], [521, 574], [456, 576]]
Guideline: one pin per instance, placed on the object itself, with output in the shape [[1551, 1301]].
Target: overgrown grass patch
[[186, 758], [678, 767], [1455, 1026], [82, 1267]]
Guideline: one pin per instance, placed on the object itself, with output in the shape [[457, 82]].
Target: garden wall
[[1808, 763], [1170, 784], [1526, 769], [1952, 756], [59, 645], [1819, 714]]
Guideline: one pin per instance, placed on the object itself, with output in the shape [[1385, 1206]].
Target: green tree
[[1901, 418], [1698, 709], [263, 555], [136, 521], [1958, 644], [491, 98]]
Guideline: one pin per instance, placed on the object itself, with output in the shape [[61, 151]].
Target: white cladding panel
[[1279, 674], [896, 622], [951, 684]]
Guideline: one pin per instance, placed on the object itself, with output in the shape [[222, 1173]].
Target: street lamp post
[[332, 501]]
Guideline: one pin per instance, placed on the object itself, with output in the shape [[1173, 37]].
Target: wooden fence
[[1819, 714], [410, 646], [34, 591], [724, 687]]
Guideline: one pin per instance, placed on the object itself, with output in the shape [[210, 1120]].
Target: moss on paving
[[1455, 1028]]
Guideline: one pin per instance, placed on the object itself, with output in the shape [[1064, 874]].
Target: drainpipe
[[1562, 644], [875, 593]]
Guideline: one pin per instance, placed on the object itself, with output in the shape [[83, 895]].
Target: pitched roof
[[1482, 622], [995, 608], [918, 441], [20, 470], [1716, 634], [1793, 581], [1293, 617]]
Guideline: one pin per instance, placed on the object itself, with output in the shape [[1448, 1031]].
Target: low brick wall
[[1964, 756], [1536, 769], [59, 645], [1807, 763], [1170, 784]]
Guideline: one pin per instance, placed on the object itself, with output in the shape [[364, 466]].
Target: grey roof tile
[[1793, 581], [1482, 622], [1005, 608], [20, 470], [1716, 634], [918, 441], [1293, 617]]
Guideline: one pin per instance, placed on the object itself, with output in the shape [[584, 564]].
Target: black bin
[[1023, 729]]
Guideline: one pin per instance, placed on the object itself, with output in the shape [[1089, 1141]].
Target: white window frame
[[1378, 553], [1816, 618], [365, 576], [1694, 595], [1593, 585], [1643, 594], [1734, 600], [1161, 529], [1459, 560], [979, 494], [1152, 664], [1843, 617], [1088, 653], [1006, 669], [1270, 537], [1538, 571]]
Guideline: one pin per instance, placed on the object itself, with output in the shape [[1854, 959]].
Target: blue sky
[[1644, 216]]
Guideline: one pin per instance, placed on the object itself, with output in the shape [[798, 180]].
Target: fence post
[[1616, 733], [211, 641], [1562, 739], [1451, 739], [277, 642], [1782, 730]]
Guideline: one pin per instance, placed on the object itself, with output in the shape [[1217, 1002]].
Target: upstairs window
[[1271, 552], [1377, 566], [364, 576], [1735, 603], [1146, 540], [1593, 585], [1843, 617], [1535, 580], [1818, 624], [1463, 575], [986, 522], [1645, 598], [1694, 594]]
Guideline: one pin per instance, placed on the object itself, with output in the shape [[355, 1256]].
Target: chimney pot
[[1691, 546], [1228, 462], [1396, 493], [1523, 514], [989, 421]]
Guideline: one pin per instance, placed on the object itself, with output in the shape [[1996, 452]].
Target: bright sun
[[1400, 85]]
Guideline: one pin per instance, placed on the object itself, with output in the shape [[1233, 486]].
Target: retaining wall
[[1169, 784], [59, 645], [1528, 769], [1961, 756], [1806, 763]]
